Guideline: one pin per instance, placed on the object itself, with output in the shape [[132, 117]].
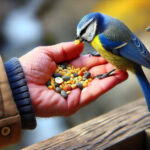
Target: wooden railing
[[125, 128]]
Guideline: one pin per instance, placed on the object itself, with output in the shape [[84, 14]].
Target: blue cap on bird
[[87, 27]]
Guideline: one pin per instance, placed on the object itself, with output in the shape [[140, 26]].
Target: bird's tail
[[143, 83]]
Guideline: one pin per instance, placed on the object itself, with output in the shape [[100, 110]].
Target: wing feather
[[136, 52]]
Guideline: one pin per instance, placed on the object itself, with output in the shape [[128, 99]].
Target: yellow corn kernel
[[77, 69], [68, 92], [86, 81], [65, 82], [63, 73], [85, 84], [76, 42], [69, 81], [73, 86], [84, 68], [72, 67], [52, 84], [57, 70], [52, 81], [71, 71], [60, 68], [80, 77], [90, 79], [50, 87], [77, 80], [73, 82], [68, 74]]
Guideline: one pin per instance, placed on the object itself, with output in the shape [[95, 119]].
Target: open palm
[[40, 63]]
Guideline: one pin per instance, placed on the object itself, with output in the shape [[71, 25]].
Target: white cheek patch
[[84, 26], [90, 32]]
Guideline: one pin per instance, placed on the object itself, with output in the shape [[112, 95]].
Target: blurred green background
[[26, 24]]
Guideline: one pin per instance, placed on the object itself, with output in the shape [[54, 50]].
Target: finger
[[48, 103], [97, 87], [73, 101], [88, 61], [63, 51]]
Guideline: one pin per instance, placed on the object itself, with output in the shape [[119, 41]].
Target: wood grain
[[122, 128]]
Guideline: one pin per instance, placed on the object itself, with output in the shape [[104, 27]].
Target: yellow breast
[[117, 61]]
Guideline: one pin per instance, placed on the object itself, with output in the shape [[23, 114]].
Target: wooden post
[[147, 139], [121, 129]]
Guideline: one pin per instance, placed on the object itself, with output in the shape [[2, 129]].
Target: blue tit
[[114, 41]]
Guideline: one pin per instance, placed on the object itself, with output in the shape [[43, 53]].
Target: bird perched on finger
[[118, 45]]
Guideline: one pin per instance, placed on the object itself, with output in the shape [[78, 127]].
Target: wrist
[[20, 92]]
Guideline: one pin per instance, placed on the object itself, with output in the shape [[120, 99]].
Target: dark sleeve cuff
[[20, 91]]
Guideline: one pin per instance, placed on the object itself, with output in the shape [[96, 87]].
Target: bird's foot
[[101, 76], [94, 53]]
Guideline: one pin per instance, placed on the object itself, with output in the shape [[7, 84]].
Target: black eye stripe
[[84, 30]]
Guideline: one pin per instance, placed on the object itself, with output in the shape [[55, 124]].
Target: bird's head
[[87, 27]]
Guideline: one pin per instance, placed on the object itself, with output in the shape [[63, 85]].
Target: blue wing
[[136, 52], [109, 44]]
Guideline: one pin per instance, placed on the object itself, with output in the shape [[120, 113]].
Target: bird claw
[[94, 53], [102, 76]]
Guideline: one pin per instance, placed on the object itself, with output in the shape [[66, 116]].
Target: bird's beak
[[78, 40]]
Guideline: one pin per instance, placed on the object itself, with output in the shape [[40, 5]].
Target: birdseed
[[66, 78]]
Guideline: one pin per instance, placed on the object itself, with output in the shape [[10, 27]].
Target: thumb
[[63, 51]]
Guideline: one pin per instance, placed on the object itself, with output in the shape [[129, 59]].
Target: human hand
[[40, 63]]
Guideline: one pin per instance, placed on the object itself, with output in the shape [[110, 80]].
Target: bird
[[114, 41]]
